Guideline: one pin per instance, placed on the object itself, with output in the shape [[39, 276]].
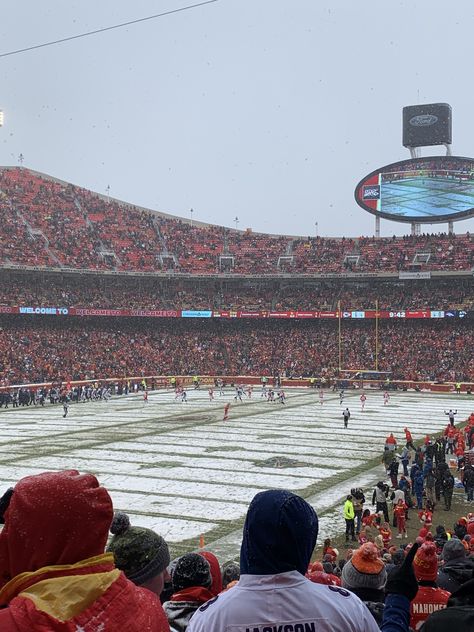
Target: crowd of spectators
[[446, 252], [59, 566], [445, 561], [69, 562], [101, 291], [51, 223], [37, 349]]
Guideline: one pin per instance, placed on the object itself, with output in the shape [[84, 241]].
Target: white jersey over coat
[[285, 602]]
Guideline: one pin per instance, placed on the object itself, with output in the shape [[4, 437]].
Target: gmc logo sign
[[371, 192]]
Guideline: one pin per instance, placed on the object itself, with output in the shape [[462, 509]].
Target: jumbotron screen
[[429, 190]]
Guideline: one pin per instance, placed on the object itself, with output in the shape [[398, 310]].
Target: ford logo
[[423, 120]]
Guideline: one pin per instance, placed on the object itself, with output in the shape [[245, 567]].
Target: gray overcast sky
[[269, 110]]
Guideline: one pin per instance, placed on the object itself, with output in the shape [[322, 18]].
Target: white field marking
[[179, 488], [205, 508], [145, 457], [130, 465], [263, 478], [172, 529]]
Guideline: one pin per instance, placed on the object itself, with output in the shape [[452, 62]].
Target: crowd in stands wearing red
[[37, 349], [100, 291], [51, 223]]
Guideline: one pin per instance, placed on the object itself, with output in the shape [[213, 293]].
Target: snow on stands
[[179, 469]]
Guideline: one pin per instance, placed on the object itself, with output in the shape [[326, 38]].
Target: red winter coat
[[320, 577], [450, 431], [83, 596], [330, 551], [54, 575]]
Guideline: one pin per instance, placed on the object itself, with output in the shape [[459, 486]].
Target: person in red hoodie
[[216, 574], [450, 434], [409, 439], [429, 597], [54, 574], [391, 442]]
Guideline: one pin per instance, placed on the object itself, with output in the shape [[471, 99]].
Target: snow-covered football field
[[181, 470]]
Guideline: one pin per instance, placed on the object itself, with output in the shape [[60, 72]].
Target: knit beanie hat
[[365, 569], [425, 563], [453, 549], [230, 573], [191, 570], [423, 532], [140, 553]]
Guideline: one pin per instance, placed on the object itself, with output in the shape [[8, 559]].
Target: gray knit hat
[[230, 573], [140, 553], [453, 549], [365, 569]]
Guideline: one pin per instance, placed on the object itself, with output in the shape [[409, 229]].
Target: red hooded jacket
[[54, 575], [216, 586]]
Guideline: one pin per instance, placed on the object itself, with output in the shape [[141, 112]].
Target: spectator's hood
[[461, 570], [53, 518], [280, 533], [216, 574], [463, 596]]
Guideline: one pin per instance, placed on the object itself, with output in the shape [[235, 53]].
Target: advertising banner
[[414, 275], [176, 313]]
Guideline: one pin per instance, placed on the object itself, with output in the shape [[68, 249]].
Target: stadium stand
[[81, 250], [73, 248], [41, 349], [71, 227], [100, 291]]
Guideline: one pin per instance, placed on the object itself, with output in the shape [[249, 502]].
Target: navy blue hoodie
[[280, 534]]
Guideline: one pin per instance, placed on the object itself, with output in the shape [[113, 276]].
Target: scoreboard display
[[422, 190]]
